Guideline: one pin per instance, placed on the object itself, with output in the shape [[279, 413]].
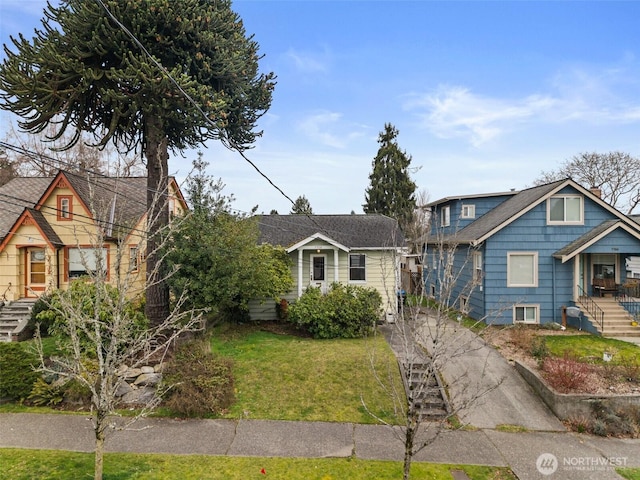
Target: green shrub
[[539, 349], [45, 394], [17, 373], [346, 311], [41, 305], [200, 383], [80, 298]]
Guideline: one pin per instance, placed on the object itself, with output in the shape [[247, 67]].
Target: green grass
[[629, 473], [591, 347], [285, 377], [18, 464]]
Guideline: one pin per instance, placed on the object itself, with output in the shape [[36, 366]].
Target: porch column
[[336, 265], [300, 276]]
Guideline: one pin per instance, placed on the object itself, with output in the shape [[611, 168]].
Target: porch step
[[14, 318], [617, 321]]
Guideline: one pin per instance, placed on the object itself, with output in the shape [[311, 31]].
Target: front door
[[318, 272], [36, 271]]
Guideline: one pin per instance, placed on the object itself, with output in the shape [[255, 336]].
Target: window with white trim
[[522, 269], [477, 267], [445, 216], [526, 314], [357, 270], [562, 209], [468, 211]]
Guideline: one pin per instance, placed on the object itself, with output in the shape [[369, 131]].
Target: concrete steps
[[617, 320], [424, 390], [14, 317]]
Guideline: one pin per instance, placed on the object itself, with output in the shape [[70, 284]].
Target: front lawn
[[591, 347], [18, 464], [288, 377]]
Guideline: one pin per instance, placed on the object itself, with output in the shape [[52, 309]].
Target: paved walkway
[[262, 438]]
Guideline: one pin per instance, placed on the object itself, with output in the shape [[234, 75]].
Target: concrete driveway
[[485, 390]]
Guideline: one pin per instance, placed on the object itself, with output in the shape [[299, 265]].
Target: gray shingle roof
[[507, 210], [16, 195], [46, 228], [585, 239], [352, 231]]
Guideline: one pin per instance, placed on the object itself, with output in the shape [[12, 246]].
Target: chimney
[[596, 191]]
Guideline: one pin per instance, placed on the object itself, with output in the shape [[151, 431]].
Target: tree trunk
[[99, 454], [157, 293], [412, 428]]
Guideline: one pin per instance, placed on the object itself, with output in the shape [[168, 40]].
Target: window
[[64, 207], [522, 269], [525, 313], [357, 267], [37, 267], [468, 211], [85, 260], [564, 209], [445, 216], [477, 267], [134, 259]]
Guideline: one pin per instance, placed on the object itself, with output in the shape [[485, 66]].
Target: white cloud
[[308, 62], [576, 95], [453, 111], [327, 128]]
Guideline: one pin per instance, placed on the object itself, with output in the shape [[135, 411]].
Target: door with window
[[36, 271], [319, 272]]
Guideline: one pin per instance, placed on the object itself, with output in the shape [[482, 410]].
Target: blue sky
[[485, 95]]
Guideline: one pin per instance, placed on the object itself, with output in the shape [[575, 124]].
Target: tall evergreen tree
[[302, 205], [154, 75], [391, 191]]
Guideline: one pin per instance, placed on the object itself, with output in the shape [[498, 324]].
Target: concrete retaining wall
[[568, 405]]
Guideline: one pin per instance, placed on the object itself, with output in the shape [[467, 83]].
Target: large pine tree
[[155, 75], [391, 190]]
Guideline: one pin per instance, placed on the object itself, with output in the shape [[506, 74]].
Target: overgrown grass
[[18, 464], [285, 377], [590, 347]]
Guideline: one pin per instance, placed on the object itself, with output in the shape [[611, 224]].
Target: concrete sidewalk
[[263, 438]]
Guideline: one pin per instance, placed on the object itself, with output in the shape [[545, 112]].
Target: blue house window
[[522, 269], [525, 313], [468, 211], [445, 218], [564, 209]]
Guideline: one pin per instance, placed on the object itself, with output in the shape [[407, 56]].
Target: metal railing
[[595, 312], [628, 300]]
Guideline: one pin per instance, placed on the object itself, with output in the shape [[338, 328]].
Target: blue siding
[[482, 206], [530, 233]]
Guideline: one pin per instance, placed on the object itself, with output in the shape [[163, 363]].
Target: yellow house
[[53, 230], [360, 250]]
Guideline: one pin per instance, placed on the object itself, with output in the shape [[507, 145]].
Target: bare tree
[[426, 341], [99, 330], [615, 174], [415, 230], [40, 155]]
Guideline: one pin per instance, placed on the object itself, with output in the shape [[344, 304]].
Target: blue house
[[525, 256]]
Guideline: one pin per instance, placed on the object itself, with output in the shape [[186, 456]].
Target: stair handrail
[[4, 295], [629, 303], [592, 307]]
